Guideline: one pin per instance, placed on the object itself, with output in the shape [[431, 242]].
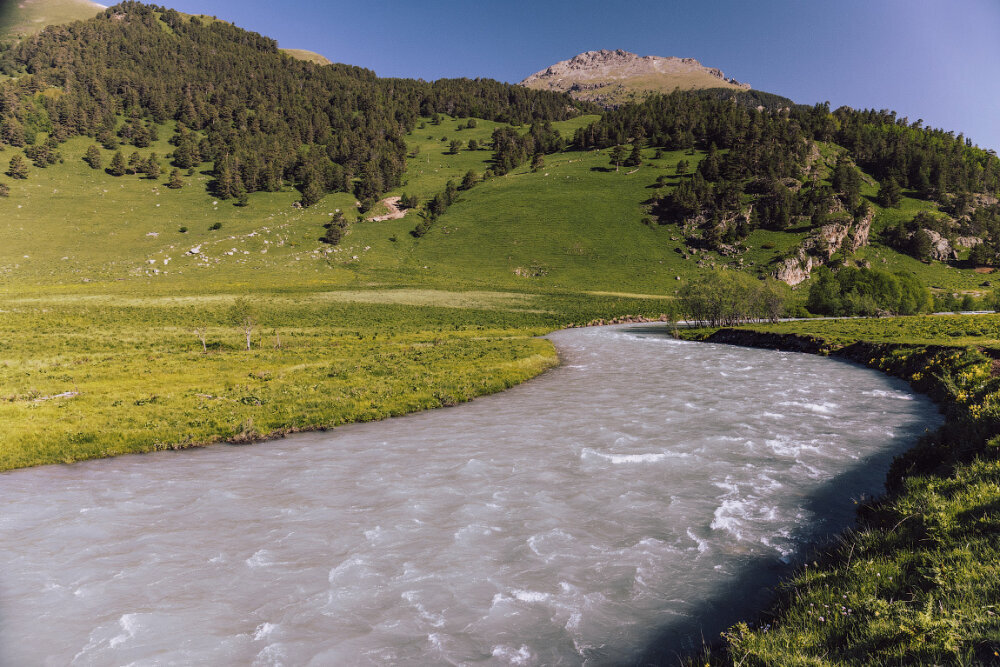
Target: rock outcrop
[[817, 249], [611, 76], [941, 249]]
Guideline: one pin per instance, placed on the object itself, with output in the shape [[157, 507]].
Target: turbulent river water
[[643, 494]]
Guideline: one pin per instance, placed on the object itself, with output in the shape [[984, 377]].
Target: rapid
[[641, 496]]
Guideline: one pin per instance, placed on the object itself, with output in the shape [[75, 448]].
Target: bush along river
[[643, 495]]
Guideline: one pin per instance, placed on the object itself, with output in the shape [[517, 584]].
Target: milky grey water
[[639, 495]]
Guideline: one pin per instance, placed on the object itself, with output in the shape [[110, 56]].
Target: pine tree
[[175, 182], [18, 167], [468, 180], [312, 193], [635, 159], [135, 163], [537, 162], [617, 155], [152, 167], [890, 194], [117, 167], [93, 157], [711, 167]]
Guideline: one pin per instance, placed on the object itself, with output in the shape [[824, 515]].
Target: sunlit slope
[[575, 225], [308, 56], [25, 17]]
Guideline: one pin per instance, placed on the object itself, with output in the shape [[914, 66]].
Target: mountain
[[615, 77], [26, 17]]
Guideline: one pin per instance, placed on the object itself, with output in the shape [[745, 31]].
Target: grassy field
[[918, 581]]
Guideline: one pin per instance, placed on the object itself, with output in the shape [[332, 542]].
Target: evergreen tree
[[18, 167], [468, 180], [635, 158], [152, 167], [889, 194], [135, 163], [711, 167], [93, 157], [617, 155], [4, 190], [454, 146], [537, 162], [117, 167], [312, 193], [175, 182]]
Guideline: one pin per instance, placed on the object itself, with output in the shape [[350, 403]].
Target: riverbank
[[918, 580], [95, 375]]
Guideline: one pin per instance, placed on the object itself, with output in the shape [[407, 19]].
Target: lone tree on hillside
[[243, 315], [454, 146], [617, 155], [18, 167], [93, 157]]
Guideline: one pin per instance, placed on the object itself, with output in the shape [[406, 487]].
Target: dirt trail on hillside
[[395, 213]]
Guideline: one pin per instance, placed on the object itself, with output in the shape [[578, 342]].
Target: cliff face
[[614, 77]]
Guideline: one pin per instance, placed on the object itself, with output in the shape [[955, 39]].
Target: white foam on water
[[511, 656], [620, 459], [263, 631]]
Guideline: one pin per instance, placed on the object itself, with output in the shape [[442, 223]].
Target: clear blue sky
[[938, 60]]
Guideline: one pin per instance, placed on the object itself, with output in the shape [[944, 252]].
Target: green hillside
[[26, 17]]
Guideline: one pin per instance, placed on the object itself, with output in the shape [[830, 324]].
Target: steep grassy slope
[[25, 17]]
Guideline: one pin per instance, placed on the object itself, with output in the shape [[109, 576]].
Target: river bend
[[645, 492]]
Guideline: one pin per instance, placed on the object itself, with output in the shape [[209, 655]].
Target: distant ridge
[[308, 56], [20, 18], [615, 77]]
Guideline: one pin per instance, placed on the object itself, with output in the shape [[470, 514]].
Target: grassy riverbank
[[918, 580], [96, 374]]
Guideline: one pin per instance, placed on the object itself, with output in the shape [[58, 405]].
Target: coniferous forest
[[332, 128]]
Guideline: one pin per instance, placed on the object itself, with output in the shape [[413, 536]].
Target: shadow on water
[[755, 584]]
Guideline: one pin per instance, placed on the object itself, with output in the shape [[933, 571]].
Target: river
[[643, 494]]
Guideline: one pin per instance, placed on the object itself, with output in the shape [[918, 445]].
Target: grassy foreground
[[918, 580], [94, 375]]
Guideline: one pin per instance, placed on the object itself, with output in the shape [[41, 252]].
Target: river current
[[642, 495]]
